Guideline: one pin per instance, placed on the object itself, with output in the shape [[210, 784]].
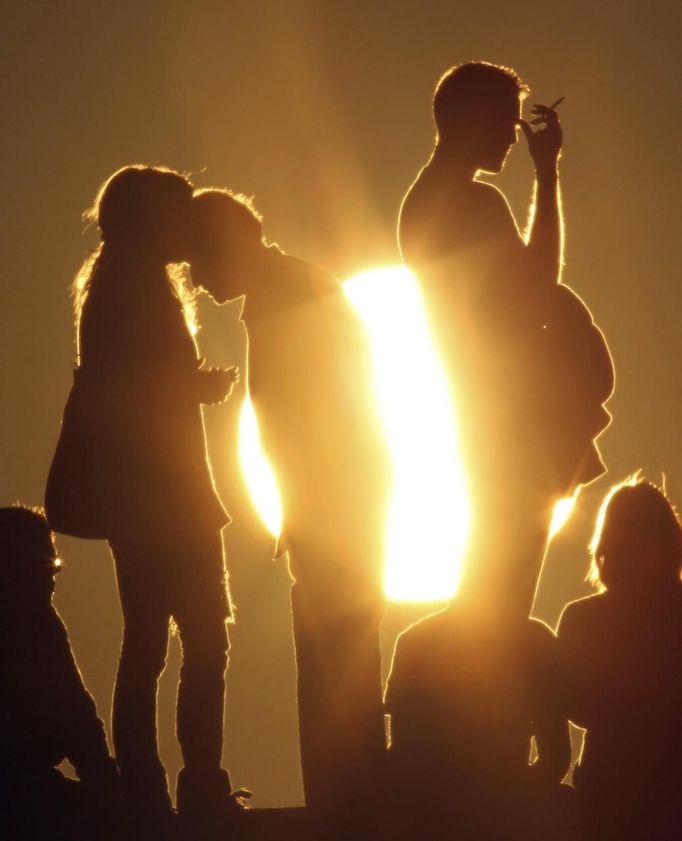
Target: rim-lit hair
[[637, 537], [127, 210], [228, 214], [24, 538], [474, 87]]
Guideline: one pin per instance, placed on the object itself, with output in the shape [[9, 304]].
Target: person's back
[[621, 655], [46, 713], [465, 697]]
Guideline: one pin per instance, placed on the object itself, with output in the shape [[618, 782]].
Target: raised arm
[[544, 235]]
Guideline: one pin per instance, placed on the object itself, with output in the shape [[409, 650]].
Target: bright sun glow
[[429, 513], [562, 511], [260, 477]]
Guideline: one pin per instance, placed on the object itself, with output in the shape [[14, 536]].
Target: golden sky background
[[321, 111]]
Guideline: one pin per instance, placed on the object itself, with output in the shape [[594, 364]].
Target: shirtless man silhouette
[[528, 368]]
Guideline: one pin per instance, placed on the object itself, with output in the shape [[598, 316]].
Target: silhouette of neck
[[459, 159]]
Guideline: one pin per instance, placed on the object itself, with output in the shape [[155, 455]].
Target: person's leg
[[201, 613], [338, 659], [142, 660]]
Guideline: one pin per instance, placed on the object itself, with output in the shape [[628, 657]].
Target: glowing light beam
[[561, 514], [429, 515], [260, 477]]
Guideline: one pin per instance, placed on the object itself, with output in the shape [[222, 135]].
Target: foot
[[207, 797]]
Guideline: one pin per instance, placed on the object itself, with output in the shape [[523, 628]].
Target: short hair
[[24, 534], [471, 87], [636, 525], [231, 213]]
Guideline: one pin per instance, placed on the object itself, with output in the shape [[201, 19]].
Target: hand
[[217, 384], [544, 144]]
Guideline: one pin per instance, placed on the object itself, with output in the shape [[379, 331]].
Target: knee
[[142, 656], [205, 655]]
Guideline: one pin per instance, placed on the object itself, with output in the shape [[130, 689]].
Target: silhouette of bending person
[[309, 377], [621, 652], [528, 368], [137, 397], [46, 713], [465, 695]]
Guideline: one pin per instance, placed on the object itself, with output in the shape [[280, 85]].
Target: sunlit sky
[[320, 110]]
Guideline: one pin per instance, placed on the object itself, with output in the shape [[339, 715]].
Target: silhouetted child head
[[28, 559], [477, 107], [227, 244], [637, 544]]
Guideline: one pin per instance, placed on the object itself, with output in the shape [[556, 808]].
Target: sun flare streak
[[562, 513], [428, 520], [260, 477]]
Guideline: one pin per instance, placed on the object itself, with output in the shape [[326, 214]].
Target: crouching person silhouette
[[309, 377], [465, 695], [137, 395], [46, 713], [621, 652]]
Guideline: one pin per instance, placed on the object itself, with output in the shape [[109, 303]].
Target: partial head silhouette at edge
[[46, 712], [621, 656]]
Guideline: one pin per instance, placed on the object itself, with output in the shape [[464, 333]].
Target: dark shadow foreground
[[466, 695], [46, 713]]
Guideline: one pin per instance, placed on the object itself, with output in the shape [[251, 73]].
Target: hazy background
[[321, 111]]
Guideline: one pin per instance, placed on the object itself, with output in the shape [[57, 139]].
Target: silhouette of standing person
[[46, 713], [466, 694], [621, 654], [528, 368], [310, 380], [140, 380]]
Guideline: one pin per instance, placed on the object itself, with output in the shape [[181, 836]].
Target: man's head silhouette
[[477, 107], [228, 247]]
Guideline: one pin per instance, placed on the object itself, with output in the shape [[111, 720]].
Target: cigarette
[[557, 103]]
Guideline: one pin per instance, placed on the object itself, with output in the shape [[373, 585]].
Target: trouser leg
[[201, 614], [142, 660], [201, 692], [340, 706]]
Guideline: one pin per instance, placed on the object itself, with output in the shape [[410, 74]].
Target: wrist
[[547, 171]]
